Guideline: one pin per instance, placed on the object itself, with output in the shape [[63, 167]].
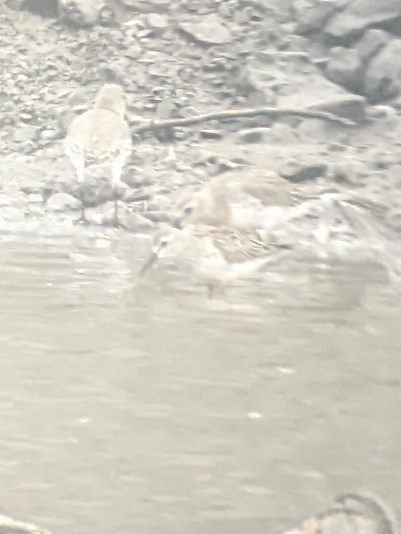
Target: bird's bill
[[152, 258]]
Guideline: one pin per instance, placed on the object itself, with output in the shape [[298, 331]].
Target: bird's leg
[[116, 171], [79, 162], [82, 218], [210, 290]]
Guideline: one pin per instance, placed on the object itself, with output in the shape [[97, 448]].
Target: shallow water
[[132, 405]]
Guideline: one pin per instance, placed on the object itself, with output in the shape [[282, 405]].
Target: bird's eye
[[188, 210], [163, 243]]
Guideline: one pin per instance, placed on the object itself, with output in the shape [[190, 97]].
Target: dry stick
[[236, 114]]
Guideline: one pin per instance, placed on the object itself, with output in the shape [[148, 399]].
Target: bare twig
[[240, 113]]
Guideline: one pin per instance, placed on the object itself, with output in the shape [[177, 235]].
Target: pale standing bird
[[216, 255], [101, 136]]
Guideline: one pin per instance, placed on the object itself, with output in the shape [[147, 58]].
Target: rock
[[352, 172], [157, 22], [210, 30], [81, 12], [63, 202], [146, 6], [281, 132], [25, 134], [132, 221], [35, 200], [49, 134], [311, 16], [10, 214], [106, 16], [381, 112], [372, 41], [211, 134], [134, 51], [44, 8], [347, 106], [312, 131], [137, 223], [141, 194], [252, 135], [157, 216], [383, 76], [345, 68], [303, 170], [358, 15], [298, 83]]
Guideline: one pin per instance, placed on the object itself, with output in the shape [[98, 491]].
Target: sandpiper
[[265, 202], [237, 200], [101, 136], [216, 255]]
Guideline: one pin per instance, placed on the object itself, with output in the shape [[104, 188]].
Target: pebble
[[157, 22], [210, 30], [63, 202], [252, 135]]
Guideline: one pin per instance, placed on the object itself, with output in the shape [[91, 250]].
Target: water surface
[[129, 405]]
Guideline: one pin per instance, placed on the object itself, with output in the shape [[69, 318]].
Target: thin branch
[[236, 114]]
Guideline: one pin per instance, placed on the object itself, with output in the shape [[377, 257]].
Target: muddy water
[[131, 405]]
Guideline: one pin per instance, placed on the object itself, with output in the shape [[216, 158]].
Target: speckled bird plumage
[[101, 136]]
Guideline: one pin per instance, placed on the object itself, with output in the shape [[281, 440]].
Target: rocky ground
[[179, 58]]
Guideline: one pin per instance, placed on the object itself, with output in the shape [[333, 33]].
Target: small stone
[[301, 171], [149, 5], [80, 12], [335, 147], [209, 30], [157, 22], [49, 134], [63, 202], [345, 68], [44, 8], [35, 199], [282, 133], [252, 135], [382, 112], [31, 189], [312, 16], [136, 195], [211, 134], [134, 51], [351, 172], [25, 134], [383, 76], [359, 15], [157, 216], [372, 41], [132, 221], [347, 106], [312, 130], [10, 214]]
